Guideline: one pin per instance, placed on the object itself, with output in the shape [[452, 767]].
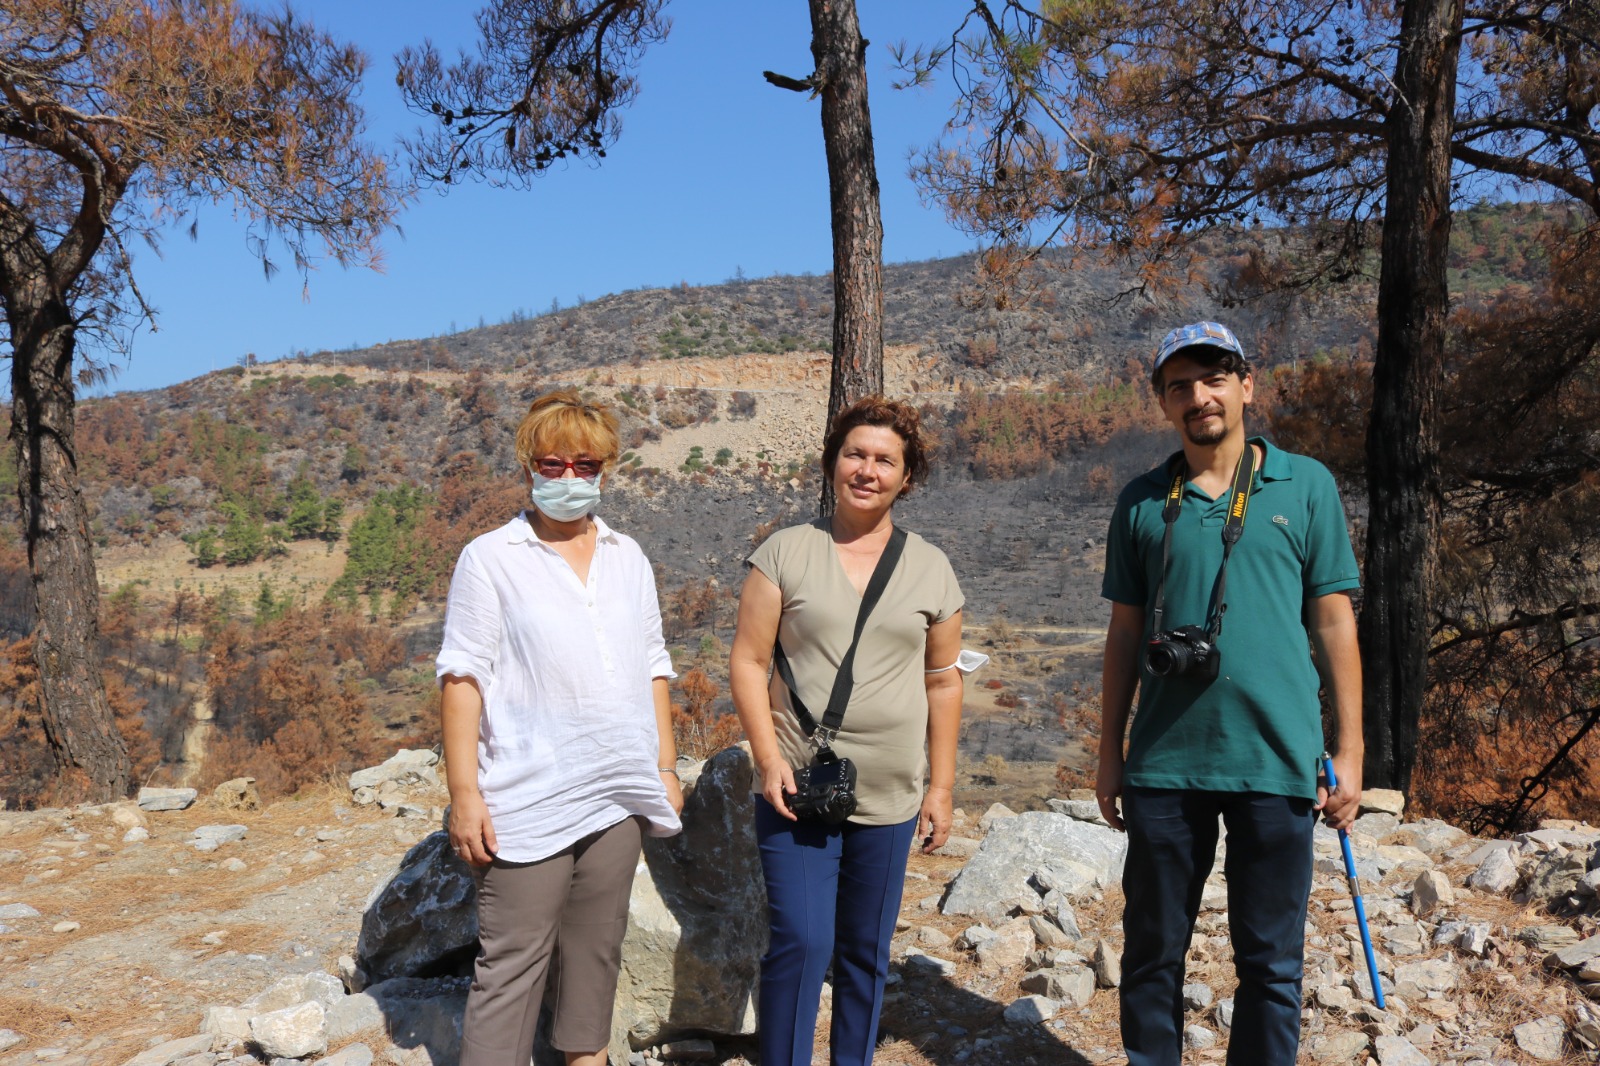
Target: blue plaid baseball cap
[[1213, 333]]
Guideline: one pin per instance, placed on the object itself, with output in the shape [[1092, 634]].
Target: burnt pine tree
[[116, 117], [546, 83], [1138, 124]]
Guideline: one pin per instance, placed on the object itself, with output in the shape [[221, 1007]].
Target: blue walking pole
[[1355, 892]]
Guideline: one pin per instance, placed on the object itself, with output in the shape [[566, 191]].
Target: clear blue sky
[[715, 171]]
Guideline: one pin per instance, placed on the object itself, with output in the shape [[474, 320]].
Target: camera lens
[[1167, 658]]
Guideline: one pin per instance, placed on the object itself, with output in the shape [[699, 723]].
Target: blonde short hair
[[563, 422]]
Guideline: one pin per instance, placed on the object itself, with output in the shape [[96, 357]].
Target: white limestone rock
[[1035, 852], [1430, 893], [1544, 1039], [292, 1033], [408, 766], [1031, 1010], [166, 799], [1395, 1050], [1496, 874]]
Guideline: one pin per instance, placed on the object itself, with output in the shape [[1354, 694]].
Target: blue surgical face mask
[[563, 499]]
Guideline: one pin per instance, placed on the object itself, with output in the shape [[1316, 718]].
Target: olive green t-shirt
[[886, 721], [1258, 726]]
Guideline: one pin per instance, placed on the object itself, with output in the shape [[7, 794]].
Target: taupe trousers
[[575, 900]]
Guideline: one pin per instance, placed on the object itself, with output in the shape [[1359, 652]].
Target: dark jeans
[[1172, 840], [833, 894]]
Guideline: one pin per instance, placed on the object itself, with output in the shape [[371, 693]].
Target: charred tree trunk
[[1402, 441], [840, 79], [78, 722]]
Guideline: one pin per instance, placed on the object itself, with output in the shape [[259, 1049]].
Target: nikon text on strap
[[844, 680], [1232, 529]]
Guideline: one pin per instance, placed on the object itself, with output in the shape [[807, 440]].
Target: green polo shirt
[[1258, 726]]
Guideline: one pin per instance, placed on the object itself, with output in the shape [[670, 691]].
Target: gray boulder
[[697, 920], [1033, 852], [424, 919]]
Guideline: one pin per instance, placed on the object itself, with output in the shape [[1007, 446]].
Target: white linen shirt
[[567, 743]]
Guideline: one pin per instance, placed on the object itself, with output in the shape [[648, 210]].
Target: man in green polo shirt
[[1229, 721]]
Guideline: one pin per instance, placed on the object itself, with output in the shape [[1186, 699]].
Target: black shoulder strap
[[844, 680]]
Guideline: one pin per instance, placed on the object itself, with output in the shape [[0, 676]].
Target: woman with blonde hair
[[557, 741], [860, 617]]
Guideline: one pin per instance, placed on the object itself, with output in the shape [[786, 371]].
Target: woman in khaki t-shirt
[[833, 891]]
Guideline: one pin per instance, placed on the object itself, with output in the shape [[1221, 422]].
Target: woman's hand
[[933, 824], [777, 780], [674, 790], [471, 831]]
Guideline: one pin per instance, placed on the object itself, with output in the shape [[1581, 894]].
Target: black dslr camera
[[1183, 652]]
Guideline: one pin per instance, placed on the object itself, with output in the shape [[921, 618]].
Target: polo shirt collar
[[1275, 465], [520, 530]]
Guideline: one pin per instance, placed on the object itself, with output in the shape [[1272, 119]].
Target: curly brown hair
[[893, 414]]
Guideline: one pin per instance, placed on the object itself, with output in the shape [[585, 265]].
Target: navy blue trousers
[[1172, 842], [833, 893]]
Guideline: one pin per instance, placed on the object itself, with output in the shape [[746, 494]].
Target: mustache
[[1202, 412]]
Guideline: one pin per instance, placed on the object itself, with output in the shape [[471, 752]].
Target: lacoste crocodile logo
[[1278, 518]]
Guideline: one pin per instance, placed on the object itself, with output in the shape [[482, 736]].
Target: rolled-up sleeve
[[472, 623], [655, 645]]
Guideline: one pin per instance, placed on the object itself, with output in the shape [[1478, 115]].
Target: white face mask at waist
[[564, 499]]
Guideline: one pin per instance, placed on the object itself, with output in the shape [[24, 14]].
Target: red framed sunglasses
[[553, 466]]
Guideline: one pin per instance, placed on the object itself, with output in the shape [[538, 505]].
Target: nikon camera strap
[[1238, 502], [844, 680]]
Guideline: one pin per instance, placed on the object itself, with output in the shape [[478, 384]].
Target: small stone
[[136, 835], [16, 911], [233, 864], [1548, 938], [1107, 965], [1383, 801], [1198, 1037], [126, 816], [293, 1032], [363, 797], [958, 847], [312, 858], [1430, 892], [1497, 874], [1072, 987], [218, 834], [1429, 975], [351, 974], [995, 812], [1578, 955], [238, 794], [166, 799], [918, 962], [1224, 1013], [1395, 1050], [65, 927], [1049, 934], [1197, 996], [1544, 1039], [929, 937], [1338, 1047], [10, 1038], [1335, 997], [1031, 1010]]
